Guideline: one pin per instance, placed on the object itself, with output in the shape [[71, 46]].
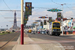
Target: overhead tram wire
[[8, 8], [64, 3], [11, 10], [60, 4], [7, 5], [55, 2], [42, 8], [69, 8]]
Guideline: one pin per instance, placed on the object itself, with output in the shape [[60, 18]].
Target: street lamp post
[[22, 24]]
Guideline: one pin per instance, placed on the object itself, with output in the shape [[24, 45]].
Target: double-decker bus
[[55, 29]]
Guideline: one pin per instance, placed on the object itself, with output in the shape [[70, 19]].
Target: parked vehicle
[[43, 32], [38, 32], [33, 32], [29, 31]]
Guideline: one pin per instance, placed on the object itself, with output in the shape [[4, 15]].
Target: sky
[[40, 9]]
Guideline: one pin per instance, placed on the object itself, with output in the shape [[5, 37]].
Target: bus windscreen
[[56, 25]]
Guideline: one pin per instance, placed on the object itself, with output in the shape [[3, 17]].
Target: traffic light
[[50, 19], [28, 8], [41, 23], [59, 16], [45, 22]]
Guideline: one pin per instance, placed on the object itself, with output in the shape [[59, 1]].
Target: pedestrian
[[65, 29], [47, 31]]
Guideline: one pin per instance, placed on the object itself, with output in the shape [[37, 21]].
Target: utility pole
[[22, 24]]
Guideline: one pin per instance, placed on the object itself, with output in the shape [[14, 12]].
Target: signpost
[[28, 8], [54, 10], [28, 11], [43, 17], [58, 14]]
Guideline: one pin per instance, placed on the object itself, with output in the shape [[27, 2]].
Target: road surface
[[67, 41], [8, 41]]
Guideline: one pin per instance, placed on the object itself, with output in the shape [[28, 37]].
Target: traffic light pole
[[22, 24]]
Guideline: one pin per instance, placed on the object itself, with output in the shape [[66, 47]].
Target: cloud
[[68, 14], [74, 8]]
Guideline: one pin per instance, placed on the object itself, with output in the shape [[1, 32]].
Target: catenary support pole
[[22, 24]]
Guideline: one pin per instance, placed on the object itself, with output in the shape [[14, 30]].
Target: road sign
[[35, 22], [28, 8], [54, 10], [43, 17], [50, 19], [38, 20]]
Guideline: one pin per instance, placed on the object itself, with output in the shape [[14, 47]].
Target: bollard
[[73, 32], [67, 33]]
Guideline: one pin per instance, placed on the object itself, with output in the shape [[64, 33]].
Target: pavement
[[30, 44]]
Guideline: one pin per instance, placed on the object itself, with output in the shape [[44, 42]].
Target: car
[[43, 32], [33, 32], [29, 31], [38, 32]]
